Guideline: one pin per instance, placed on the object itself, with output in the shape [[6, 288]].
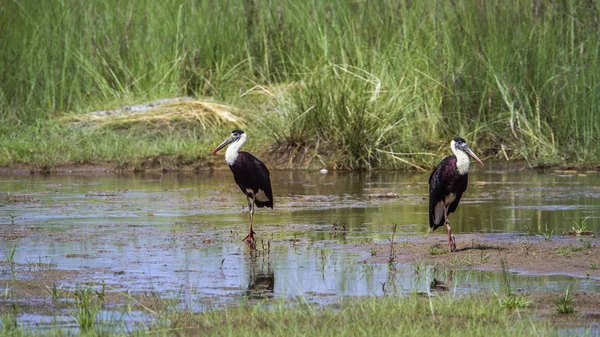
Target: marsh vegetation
[[339, 84]]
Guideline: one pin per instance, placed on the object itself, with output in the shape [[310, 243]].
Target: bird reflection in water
[[261, 279]]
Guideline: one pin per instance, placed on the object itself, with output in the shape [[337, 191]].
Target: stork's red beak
[[470, 153]]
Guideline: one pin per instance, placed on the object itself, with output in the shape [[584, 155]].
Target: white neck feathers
[[462, 159], [233, 149]]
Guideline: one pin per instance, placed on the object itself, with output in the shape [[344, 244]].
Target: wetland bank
[[155, 247]]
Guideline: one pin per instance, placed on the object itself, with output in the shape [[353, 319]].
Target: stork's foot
[[452, 244], [249, 240]]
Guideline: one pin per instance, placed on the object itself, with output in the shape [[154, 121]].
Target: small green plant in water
[[593, 266], [510, 300], [56, 292], [580, 227], [513, 301], [88, 307], [547, 234], [10, 256], [392, 250], [528, 231], [564, 303], [418, 267], [9, 321]]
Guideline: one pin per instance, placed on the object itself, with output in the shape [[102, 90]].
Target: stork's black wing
[[253, 178], [443, 182]]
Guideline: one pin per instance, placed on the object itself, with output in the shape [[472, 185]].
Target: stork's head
[[459, 144], [237, 137]]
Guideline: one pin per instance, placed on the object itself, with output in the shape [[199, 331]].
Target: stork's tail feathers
[[264, 203]]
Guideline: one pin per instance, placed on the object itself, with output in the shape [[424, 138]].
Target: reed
[[381, 84]]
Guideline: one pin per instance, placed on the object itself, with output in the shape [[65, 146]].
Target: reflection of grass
[[40, 265]]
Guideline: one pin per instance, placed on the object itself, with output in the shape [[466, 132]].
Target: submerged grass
[[341, 84]]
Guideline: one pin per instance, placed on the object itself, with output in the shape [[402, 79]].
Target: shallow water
[[179, 235]]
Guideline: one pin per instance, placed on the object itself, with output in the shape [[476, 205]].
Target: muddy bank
[[562, 255], [275, 159]]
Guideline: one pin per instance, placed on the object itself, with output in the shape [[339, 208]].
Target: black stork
[[251, 175], [447, 183]]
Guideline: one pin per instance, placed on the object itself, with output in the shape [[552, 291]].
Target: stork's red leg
[[451, 241], [249, 239]]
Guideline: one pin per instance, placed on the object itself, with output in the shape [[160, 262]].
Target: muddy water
[[179, 235]]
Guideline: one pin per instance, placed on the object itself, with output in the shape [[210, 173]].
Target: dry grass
[[206, 114]]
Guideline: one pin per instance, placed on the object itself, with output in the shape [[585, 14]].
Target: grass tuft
[[436, 250], [564, 304]]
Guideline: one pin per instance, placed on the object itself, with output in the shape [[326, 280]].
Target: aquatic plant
[[510, 300], [9, 321], [88, 307], [419, 267], [547, 234], [564, 303], [40, 265], [580, 227], [56, 292], [392, 250]]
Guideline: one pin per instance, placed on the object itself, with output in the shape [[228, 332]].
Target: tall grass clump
[[341, 111], [372, 83]]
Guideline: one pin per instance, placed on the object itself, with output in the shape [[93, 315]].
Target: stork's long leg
[[250, 237], [451, 241]]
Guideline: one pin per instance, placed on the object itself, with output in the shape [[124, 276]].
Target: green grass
[[567, 250], [436, 250], [564, 304], [510, 300], [88, 306], [341, 84], [383, 316]]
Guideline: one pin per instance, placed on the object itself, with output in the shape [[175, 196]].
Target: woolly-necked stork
[[251, 175], [447, 183]]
